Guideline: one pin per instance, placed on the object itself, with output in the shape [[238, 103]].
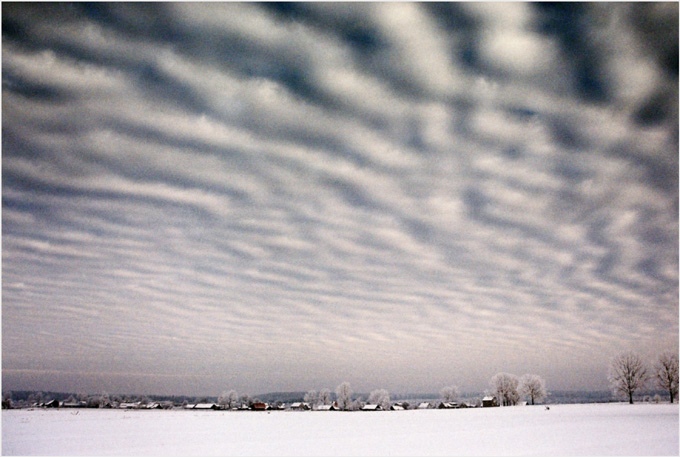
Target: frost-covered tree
[[93, 401], [104, 400], [311, 397], [505, 386], [325, 397], [666, 372], [246, 400], [449, 393], [344, 394], [380, 397], [627, 374], [533, 387], [228, 399]]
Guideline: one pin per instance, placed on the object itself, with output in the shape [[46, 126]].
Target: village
[[487, 401]]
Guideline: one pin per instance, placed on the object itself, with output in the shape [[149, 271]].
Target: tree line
[[628, 373]]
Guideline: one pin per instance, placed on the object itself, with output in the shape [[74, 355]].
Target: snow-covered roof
[[300, 405], [129, 405], [204, 406], [326, 408], [371, 407], [448, 404]]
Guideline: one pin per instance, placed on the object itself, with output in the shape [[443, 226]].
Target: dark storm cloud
[[206, 196]]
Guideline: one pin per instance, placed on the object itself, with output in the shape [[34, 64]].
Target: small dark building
[[259, 406], [489, 401], [51, 404]]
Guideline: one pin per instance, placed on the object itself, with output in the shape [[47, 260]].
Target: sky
[[199, 197]]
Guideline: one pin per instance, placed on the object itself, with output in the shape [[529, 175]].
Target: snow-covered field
[[585, 429]]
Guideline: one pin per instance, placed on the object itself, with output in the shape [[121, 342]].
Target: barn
[[371, 407], [51, 404], [447, 405], [326, 408], [489, 401], [300, 406], [212, 406]]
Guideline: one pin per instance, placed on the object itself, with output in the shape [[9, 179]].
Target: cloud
[[279, 196]]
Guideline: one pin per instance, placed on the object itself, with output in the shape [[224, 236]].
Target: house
[[424, 405], [129, 405], [447, 405], [371, 407], [489, 401], [153, 405], [327, 408], [300, 406], [51, 404], [205, 406], [396, 407], [259, 406]]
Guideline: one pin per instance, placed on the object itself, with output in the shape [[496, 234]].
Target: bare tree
[[627, 374], [449, 393], [344, 393], [666, 371], [532, 386], [505, 385], [380, 397]]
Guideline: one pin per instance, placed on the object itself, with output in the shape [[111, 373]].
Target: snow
[[582, 429]]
